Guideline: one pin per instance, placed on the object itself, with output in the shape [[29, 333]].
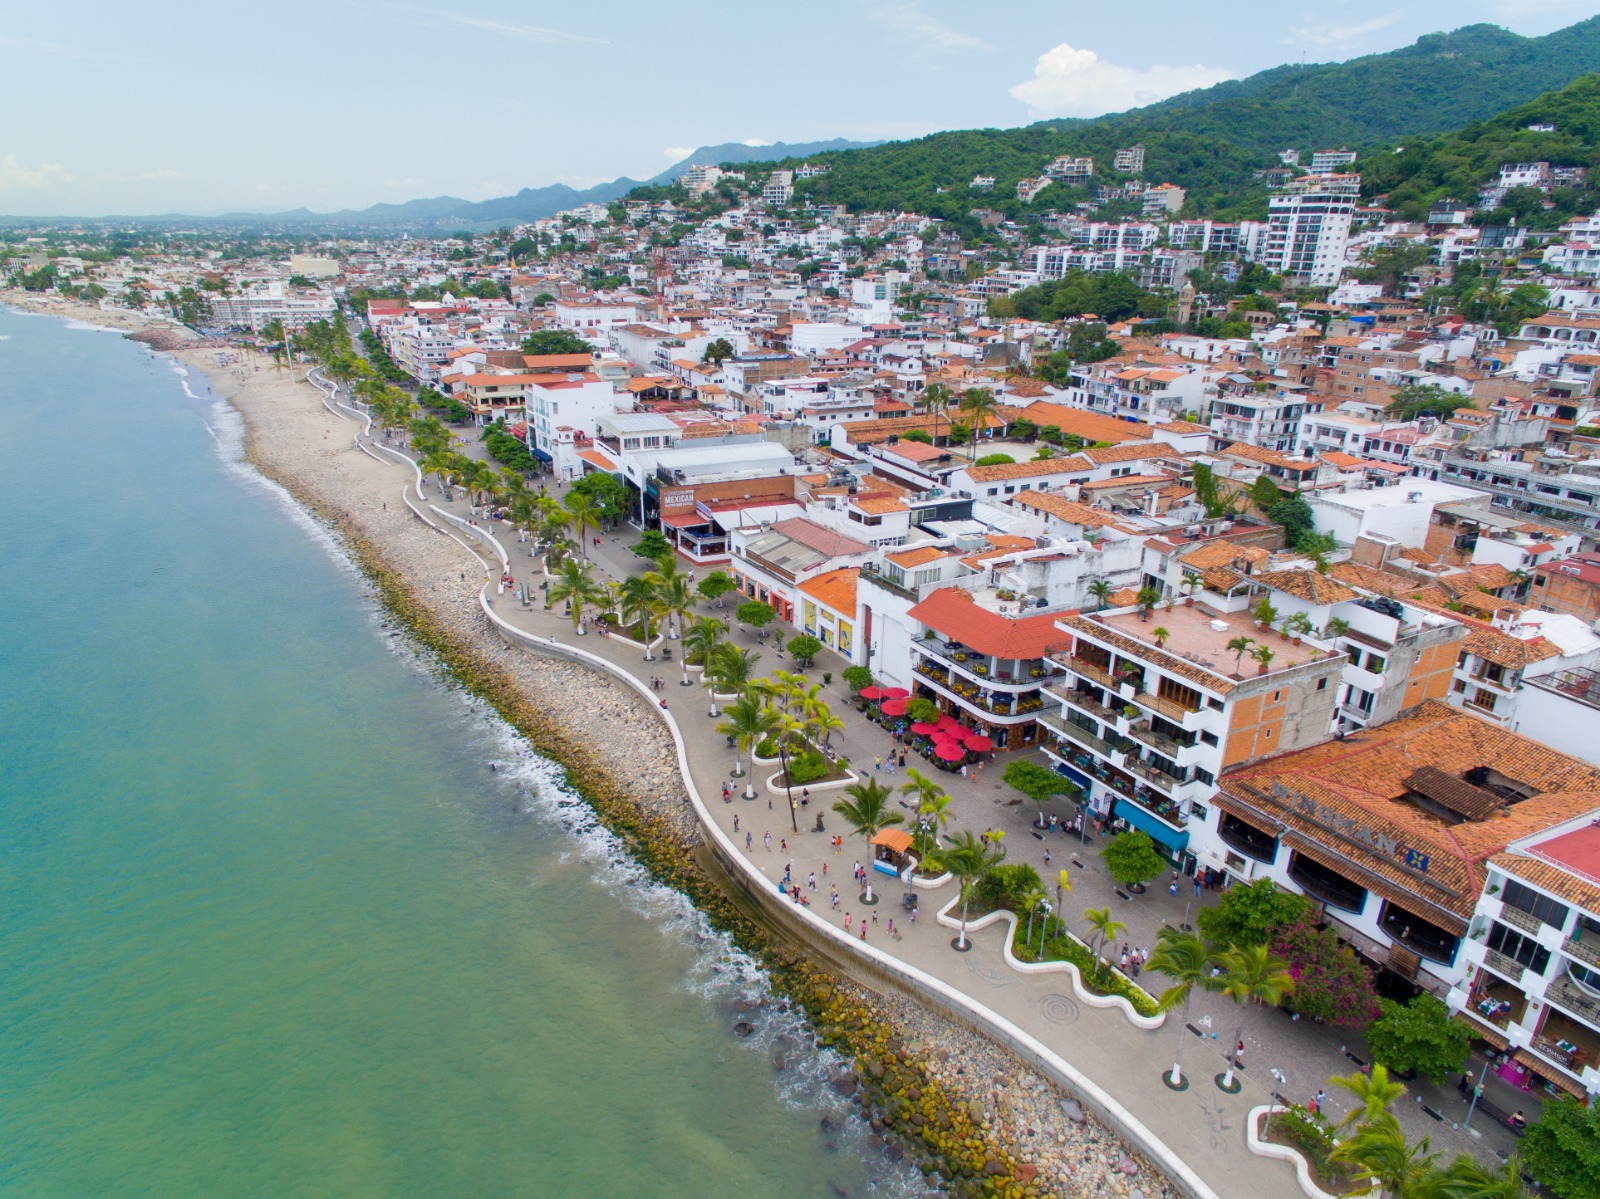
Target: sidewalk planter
[[1281, 1153]]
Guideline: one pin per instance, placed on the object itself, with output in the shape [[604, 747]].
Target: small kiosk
[[891, 851]]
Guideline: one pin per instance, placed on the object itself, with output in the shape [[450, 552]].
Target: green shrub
[[1069, 949], [767, 749], [857, 677], [807, 768], [1308, 1132], [1006, 885]]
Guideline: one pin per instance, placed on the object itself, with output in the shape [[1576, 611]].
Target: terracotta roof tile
[[1060, 507], [918, 556], [1503, 649], [953, 612], [1308, 585], [836, 589], [1029, 470]]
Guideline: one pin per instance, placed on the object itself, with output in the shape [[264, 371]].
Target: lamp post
[[1476, 1091]]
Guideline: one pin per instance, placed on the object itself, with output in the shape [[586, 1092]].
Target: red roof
[[952, 611], [1578, 850]]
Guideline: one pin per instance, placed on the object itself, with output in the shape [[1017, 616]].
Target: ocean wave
[[73, 322]]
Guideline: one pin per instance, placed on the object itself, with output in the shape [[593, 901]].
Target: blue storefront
[[1170, 842]]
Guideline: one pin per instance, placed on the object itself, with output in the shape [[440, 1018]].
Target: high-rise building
[[1130, 160], [1308, 229]]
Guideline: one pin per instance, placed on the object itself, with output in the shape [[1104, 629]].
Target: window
[[1208, 738], [1276, 696], [1322, 684], [1539, 906], [1519, 947], [1184, 697]]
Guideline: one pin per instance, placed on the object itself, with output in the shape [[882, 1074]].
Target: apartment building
[[1533, 956], [1329, 162], [1163, 199], [1130, 160], [1391, 831], [1070, 170], [771, 561], [1502, 658], [1308, 229], [1154, 393], [1570, 584], [259, 307], [1269, 418]]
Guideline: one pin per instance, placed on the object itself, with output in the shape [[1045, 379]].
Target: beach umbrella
[[896, 693], [894, 707], [922, 728], [978, 743], [871, 693], [949, 751]]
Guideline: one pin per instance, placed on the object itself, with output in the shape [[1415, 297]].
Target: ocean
[[269, 924]]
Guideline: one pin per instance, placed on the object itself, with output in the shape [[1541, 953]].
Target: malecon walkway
[[1197, 1136]]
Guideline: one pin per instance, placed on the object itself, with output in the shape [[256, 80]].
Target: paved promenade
[[1201, 1125]]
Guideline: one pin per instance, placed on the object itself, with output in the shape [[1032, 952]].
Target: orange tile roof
[[596, 458], [1307, 585], [1091, 426], [1034, 469], [1060, 507], [1125, 481], [916, 557], [1132, 452], [836, 589], [879, 505], [1365, 776], [953, 612]]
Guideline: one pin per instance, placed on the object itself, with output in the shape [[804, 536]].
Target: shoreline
[[934, 1092]]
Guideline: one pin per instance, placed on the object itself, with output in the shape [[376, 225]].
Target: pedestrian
[[1052, 822], [805, 796], [902, 761], [824, 867], [847, 922], [1238, 1055], [963, 770], [855, 871], [736, 822], [1124, 961], [748, 844], [1321, 1098], [766, 839], [811, 880], [877, 763], [1047, 857], [1197, 884], [863, 930], [783, 843], [913, 915], [769, 803], [1464, 1086]]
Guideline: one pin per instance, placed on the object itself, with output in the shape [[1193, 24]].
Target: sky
[[206, 107]]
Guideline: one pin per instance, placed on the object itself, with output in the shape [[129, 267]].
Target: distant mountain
[[1213, 140], [449, 212]]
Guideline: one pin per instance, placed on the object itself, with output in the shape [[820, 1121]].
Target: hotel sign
[[1335, 821]]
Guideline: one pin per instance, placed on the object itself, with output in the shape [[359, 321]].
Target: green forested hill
[[1211, 141], [1455, 165]]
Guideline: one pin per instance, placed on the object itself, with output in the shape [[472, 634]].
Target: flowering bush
[[1330, 983]]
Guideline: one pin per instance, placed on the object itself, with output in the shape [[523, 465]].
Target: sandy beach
[[572, 714]]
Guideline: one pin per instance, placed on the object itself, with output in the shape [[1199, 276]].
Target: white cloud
[[1068, 82], [906, 18], [1330, 35], [16, 177], [678, 153], [758, 141]]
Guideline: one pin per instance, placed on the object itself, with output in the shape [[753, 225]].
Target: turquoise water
[[268, 923]]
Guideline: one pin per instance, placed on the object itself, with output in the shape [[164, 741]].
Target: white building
[[1328, 162], [1308, 229]]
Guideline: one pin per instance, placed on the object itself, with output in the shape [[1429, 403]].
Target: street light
[[1476, 1091]]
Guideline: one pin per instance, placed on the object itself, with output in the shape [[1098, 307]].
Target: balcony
[[1585, 948], [1092, 672], [1419, 935], [1174, 712], [1168, 811], [1156, 777], [1086, 700], [1327, 885], [1517, 918], [1571, 995], [932, 670], [1247, 839], [1167, 747], [1083, 737], [1502, 965], [990, 671], [873, 575], [1495, 1001]]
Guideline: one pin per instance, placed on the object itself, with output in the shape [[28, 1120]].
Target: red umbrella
[[949, 751], [978, 743], [872, 693], [922, 728], [896, 693], [895, 707], [951, 725]]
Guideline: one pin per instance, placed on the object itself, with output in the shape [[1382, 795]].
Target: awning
[[1140, 819], [538, 453], [1076, 777], [684, 520], [1482, 1031], [1383, 888]]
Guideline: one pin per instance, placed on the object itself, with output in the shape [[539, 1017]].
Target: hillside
[[1211, 141], [1455, 165]]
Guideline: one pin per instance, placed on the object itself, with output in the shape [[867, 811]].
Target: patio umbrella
[[951, 725], [949, 751], [896, 693], [978, 743], [871, 693], [922, 728], [895, 707]]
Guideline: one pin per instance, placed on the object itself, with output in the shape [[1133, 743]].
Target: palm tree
[[577, 586], [1147, 598], [435, 462], [1381, 1157], [935, 399], [1263, 654], [748, 723], [1032, 899], [1187, 960], [1105, 929], [866, 810], [1160, 633], [1100, 587], [1468, 1178], [979, 405], [791, 732], [701, 638], [584, 514], [1374, 1093], [933, 804], [1239, 647], [636, 601], [969, 858], [675, 589], [1251, 975], [733, 669]]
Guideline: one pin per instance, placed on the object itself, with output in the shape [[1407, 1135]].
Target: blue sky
[[204, 107]]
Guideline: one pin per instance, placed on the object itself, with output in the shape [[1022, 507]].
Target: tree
[[1251, 915], [1161, 634], [755, 613], [1419, 1037], [1294, 514], [1105, 929], [1250, 975], [1037, 782], [1263, 654], [748, 721], [732, 669], [1100, 587], [1380, 1156], [584, 514], [1374, 1092], [609, 495], [701, 639], [1187, 960], [1264, 493], [1563, 1149], [866, 808], [969, 858], [1330, 983], [857, 677], [933, 805], [555, 341], [922, 710], [995, 460], [578, 587], [636, 603], [1132, 858], [1468, 1178], [804, 649], [1426, 399], [652, 544], [979, 404], [719, 351], [716, 585]]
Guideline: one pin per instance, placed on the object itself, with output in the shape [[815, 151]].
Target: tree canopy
[[1251, 914], [555, 341]]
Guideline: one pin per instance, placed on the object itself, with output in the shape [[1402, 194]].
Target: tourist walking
[[748, 845], [811, 880], [766, 839]]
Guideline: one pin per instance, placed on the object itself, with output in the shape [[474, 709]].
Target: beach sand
[[293, 439]]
